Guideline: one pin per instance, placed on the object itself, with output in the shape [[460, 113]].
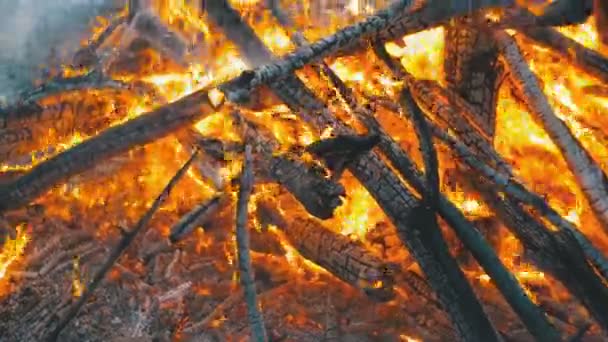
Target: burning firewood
[[86, 57], [317, 194], [472, 68], [256, 320], [373, 173], [111, 142], [341, 256], [592, 179], [195, 218], [124, 243], [586, 59], [374, 27], [518, 191], [529, 231]]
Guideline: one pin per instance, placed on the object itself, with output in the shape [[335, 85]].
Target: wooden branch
[[196, 217], [291, 90], [371, 28], [341, 256], [111, 142], [584, 58], [256, 320], [472, 69], [591, 178], [319, 196], [119, 249]]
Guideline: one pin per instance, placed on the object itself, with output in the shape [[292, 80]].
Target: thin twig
[[123, 244], [256, 320]]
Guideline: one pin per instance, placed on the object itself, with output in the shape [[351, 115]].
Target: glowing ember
[[12, 251]]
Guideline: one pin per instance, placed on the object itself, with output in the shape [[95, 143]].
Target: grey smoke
[[35, 33]]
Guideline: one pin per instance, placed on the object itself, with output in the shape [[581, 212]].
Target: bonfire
[[313, 171]]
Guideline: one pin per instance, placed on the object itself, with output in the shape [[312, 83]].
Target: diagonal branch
[[590, 176], [239, 89], [144, 129], [584, 58], [123, 244]]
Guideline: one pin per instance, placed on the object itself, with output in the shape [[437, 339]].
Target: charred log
[[346, 259], [113, 141], [565, 12], [472, 68], [91, 80]]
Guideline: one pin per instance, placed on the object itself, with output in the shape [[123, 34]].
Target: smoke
[[35, 33]]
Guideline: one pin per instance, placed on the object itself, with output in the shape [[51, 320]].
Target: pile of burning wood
[[433, 171]]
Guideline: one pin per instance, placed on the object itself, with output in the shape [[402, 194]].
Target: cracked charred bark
[[472, 69]]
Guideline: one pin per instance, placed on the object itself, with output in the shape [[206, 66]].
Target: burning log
[[256, 319], [123, 244], [586, 59], [346, 259], [317, 194], [472, 68], [593, 181], [113, 141]]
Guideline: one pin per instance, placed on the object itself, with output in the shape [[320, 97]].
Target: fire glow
[[521, 140]]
